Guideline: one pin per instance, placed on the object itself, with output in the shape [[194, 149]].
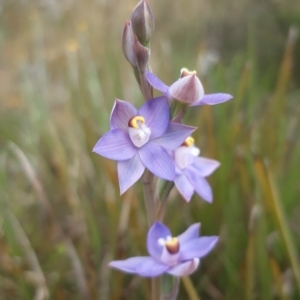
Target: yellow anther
[[172, 245], [134, 122], [188, 142], [185, 72]]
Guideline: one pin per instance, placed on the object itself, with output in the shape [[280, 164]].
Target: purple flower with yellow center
[[187, 89], [191, 170], [178, 256], [142, 138]]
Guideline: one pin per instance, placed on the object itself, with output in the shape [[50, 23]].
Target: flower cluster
[[153, 139]]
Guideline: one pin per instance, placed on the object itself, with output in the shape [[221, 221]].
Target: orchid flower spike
[[191, 171], [140, 139], [178, 256], [187, 89]]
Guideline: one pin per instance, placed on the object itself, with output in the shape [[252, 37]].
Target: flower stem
[[149, 196], [172, 295], [155, 288], [150, 202], [164, 199]]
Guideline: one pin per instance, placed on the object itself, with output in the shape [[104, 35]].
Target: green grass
[[61, 217]]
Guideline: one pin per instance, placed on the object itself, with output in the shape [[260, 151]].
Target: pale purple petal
[[174, 136], [142, 265], [158, 161], [157, 231], [157, 83], [184, 187], [199, 183], [185, 268], [197, 248], [187, 89], [116, 145], [191, 233], [205, 166], [212, 99], [157, 114], [121, 113], [129, 172]]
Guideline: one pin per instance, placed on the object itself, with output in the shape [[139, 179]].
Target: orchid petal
[[205, 166], [156, 232], [121, 113], [187, 89], [199, 183], [157, 160], [129, 172], [197, 247], [191, 233], [156, 113], [142, 265], [184, 187], [174, 136], [185, 268], [157, 83], [212, 99], [116, 145]]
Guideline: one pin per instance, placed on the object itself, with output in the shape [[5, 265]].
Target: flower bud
[[187, 89], [127, 44], [141, 54], [142, 21]]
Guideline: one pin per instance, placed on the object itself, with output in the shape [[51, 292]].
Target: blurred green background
[[61, 217]]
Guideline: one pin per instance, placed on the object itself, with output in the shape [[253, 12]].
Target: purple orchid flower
[[191, 171], [187, 89], [178, 256], [142, 138]]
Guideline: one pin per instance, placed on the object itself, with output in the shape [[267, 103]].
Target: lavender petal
[[212, 99], [191, 233], [158, 161], [129, 172], [184, 187], [185, 268], [205, 166], [121, 113], [187, 89], [200, 184], [174, 136], [156, 113], [197, 247], [115, 145], [144, 266], [157, 83], [157, 231]]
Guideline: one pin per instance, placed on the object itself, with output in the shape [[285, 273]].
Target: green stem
[[172, 295], [164, 199], [149, 196], [155, 288]]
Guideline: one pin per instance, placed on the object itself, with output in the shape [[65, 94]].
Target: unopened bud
[[141, 54], [142, 21], [127, 44]]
